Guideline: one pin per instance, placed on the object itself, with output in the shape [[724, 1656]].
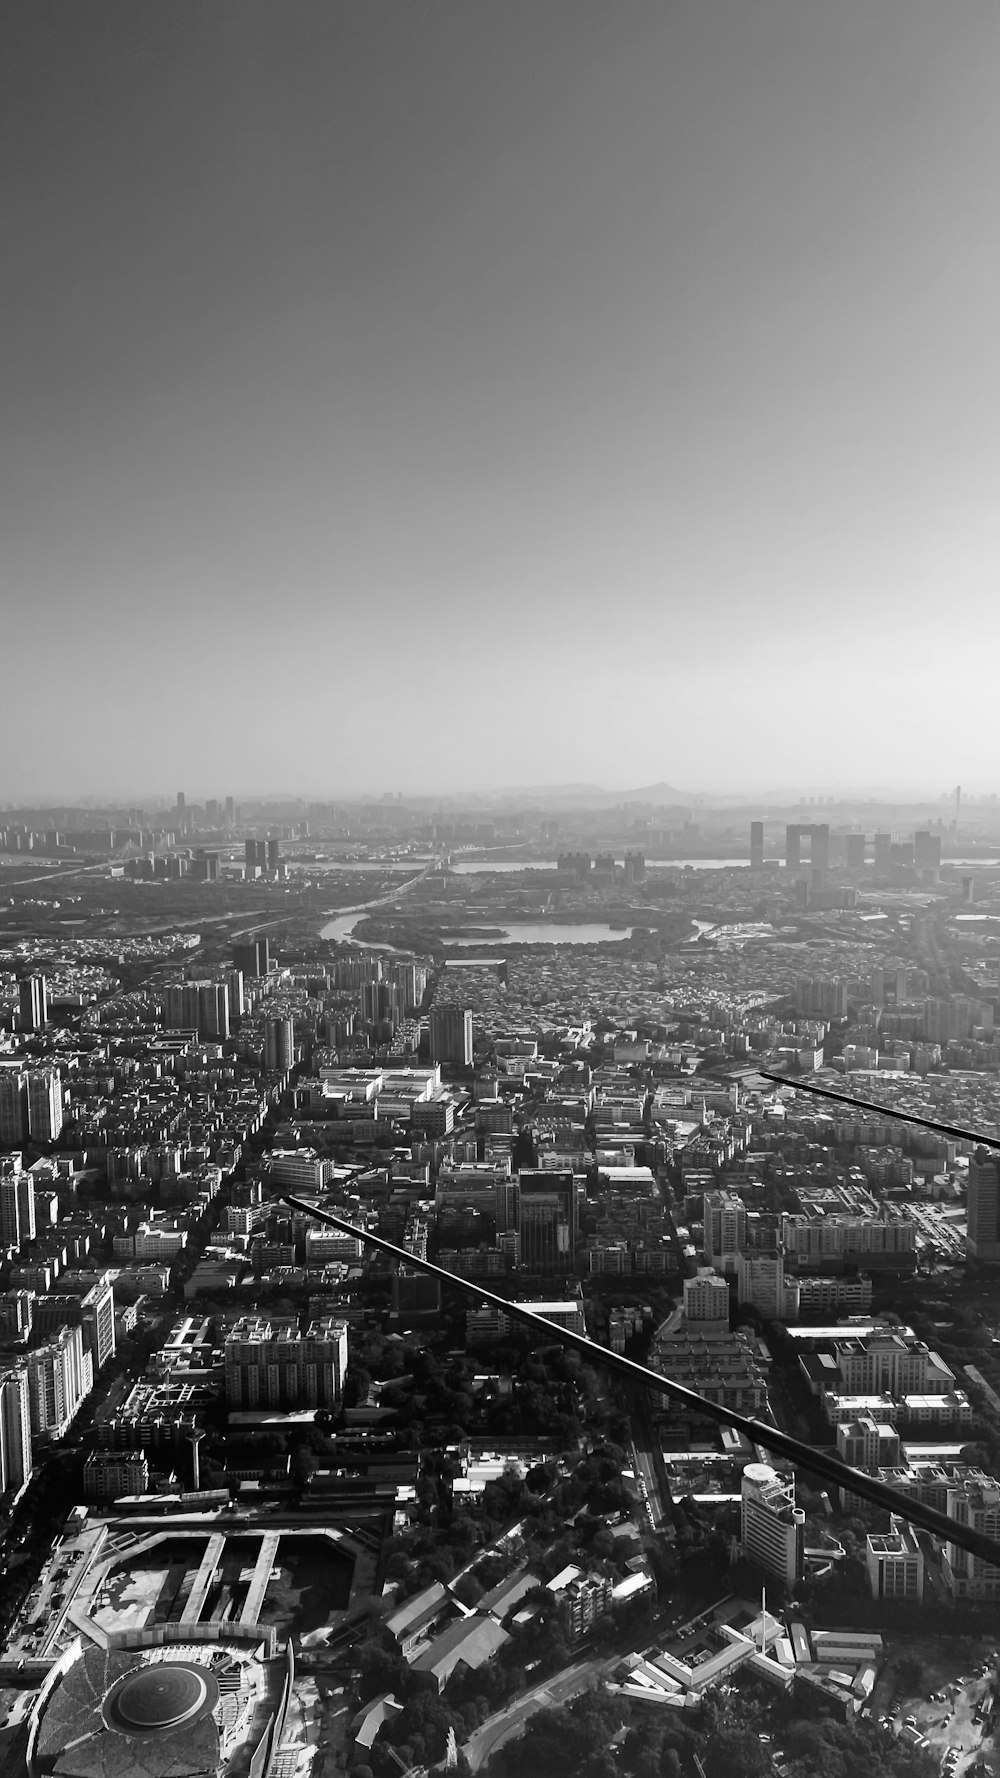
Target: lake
[[518, 933]]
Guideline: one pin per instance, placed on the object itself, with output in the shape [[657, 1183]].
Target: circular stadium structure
[[160, 1699], [177, 1712]]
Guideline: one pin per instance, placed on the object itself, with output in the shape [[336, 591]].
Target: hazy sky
[[401, 394]]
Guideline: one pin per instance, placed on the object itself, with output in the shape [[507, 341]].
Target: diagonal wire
[[803, 1456], [908, 1117]]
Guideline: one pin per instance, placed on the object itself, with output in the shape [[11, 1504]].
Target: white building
[[725, 1220], [772, 1527], [706, 1301], [895, 1564]]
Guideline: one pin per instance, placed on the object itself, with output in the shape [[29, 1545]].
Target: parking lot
[[954, 1711]]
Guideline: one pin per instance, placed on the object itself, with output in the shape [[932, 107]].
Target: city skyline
[[479, 396]]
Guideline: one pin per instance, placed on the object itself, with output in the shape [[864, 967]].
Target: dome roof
[[159, 1699]]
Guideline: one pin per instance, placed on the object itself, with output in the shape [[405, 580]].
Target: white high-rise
[[772, 1526]]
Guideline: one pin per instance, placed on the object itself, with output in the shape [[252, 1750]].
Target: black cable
[[830, 1469], [908, 1117]]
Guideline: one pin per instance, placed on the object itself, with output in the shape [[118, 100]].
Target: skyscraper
[[451, 1035], [854, 847], [756, 845], [279, 1044], [983, 1238], [772, 1526], [725, 1218], [34, 1003], [547, 1225], [254, 959], [15, 1432], [17, 1206], [13, 1105], [45, 1104], [60, 1375]]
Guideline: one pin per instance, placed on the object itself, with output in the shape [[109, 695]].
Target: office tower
[[13, 1106], [706, 1302], [212, 812], [17, 1208], [725, 1219], [895, 1563], [451, 1035], [756, 845], [902, 985], [255, 854], [983, 1238], [876, 987], [968, 890], [253, 959], [180, 799], [793, 848], [547, 1220], [883, 851], [15, 1433], [273, 854], [279, 1045], [772, 1526], [635, 869], [45, 1104], [230, 811], [34, 1003], [854, 850]]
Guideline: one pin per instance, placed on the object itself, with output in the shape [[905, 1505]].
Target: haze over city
[[456, 396]]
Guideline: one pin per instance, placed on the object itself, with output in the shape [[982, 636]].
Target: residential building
[[13, 1105], [45, 1104], [983, 1237], [706, 1302], [15, 1433], [17, 1205], [279, 1045], [450, 1030], [725, 1220], [975, 1502], [60, 1376], [110, 1475], [33, 1002], [274, 1364], [764, 1286]]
